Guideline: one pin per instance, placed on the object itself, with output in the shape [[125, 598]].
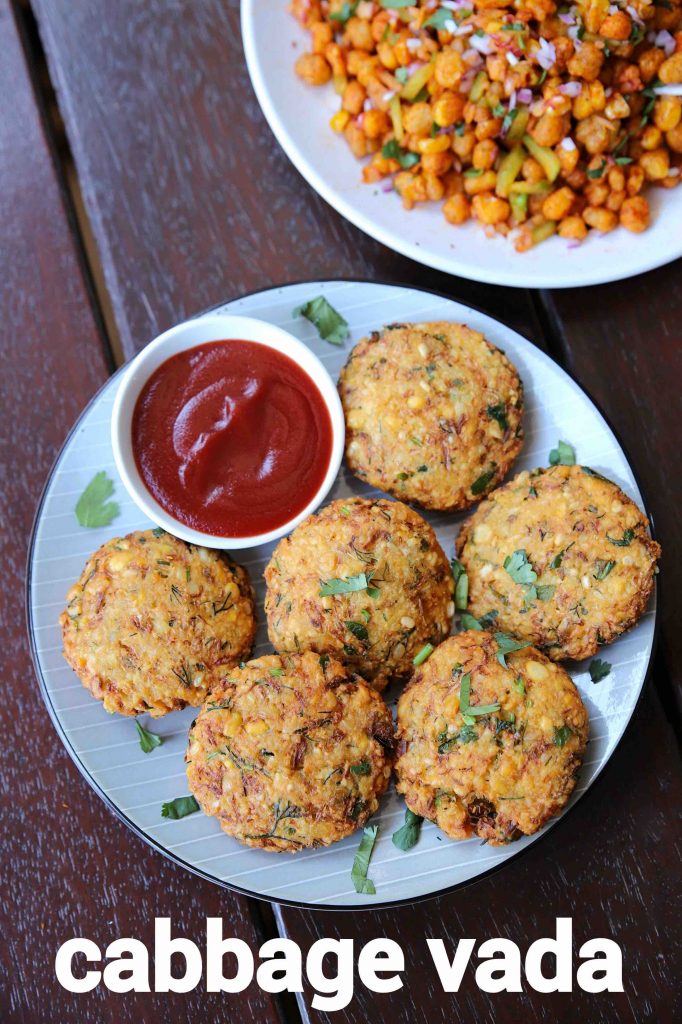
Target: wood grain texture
[[190, 198], [69, 867], [192, 202]]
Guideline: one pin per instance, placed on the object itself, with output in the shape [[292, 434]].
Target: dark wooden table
[[139, 184]]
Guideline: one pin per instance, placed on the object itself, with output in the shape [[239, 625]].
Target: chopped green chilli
[[602, 568], [330, 325], [358, 629], [461, 585], [361, 863], [625, 541], [480, 484]]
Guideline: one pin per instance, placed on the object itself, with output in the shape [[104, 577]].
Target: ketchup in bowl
[[232, 438]]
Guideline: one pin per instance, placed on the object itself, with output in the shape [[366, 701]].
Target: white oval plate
[[299, 116], [106, 748]]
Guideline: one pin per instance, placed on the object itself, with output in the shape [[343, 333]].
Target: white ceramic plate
[[135, 784], [299, 116]]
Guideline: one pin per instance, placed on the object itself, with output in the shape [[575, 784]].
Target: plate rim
[[158, 846], [455, 267]]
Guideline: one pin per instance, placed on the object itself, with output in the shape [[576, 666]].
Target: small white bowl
[[215, 327]]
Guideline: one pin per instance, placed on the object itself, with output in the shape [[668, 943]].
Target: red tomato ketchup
[[232, 438]]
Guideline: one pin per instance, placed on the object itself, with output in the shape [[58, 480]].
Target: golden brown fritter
[[579, 561], [365, 581], [433, 413], [489, 750], [290, 752], [154, 623]]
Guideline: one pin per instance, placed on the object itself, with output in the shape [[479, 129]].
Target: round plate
[[299, 116], [135, 784]]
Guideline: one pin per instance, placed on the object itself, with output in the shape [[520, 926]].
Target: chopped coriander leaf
[[179, 808], [464, 695], [602, 568], [559, 557], [466, 735], [622, 160], [562, 455], [597, 172], [362, 768], [599, 669], [276, 671], [519, 568], [499, 414], [460, 128], [330, 325], [361, 863], [519, 685], [392, 151], [349, 585], [346, 12], [407, 835], [158, 531], [440, 19], [480, 484], [358, 629], [467, 621], [396, 4], [92, 508], [562, 735], [421, 656], [507, 644], [625, 540], [148, 740], [545, 591]]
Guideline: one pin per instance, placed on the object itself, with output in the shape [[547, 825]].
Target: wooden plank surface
[[69, 867], [190, 198], [192, 202]]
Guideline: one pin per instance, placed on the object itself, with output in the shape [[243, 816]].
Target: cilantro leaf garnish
[[597, 172], [559, 557], [92, 508], [519, 568], [562, 455], [624, 541], [362, 768], [545, 591], [562, 735], [179, 808], [465, 707], [465, 735], [148, 740], [349, 585], [499, 414], [408, 834], [480, 484], [358, 629], [599, 669], [330, 325], [439, 19], [361, 863], [507, 644], [602, 568], [392, 151]]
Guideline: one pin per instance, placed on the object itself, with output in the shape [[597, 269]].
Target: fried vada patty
[[154, 623], [433, 413], [488, 750], [365, 581], [291, 752], [560, 557]]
